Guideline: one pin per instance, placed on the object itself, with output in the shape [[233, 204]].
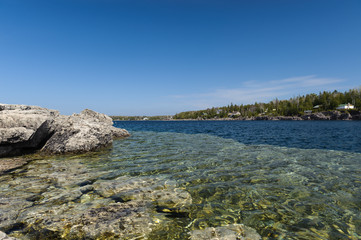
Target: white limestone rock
[[25, 129]]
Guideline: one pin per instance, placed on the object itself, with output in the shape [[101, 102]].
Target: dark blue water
[[331, 135]]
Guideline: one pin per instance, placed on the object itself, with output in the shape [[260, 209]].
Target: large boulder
[[25, 129], [86, 131]]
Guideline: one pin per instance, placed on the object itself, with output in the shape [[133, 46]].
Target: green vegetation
[[324, 101]]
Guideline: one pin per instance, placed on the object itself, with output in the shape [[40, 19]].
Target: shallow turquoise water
[[283, 192]]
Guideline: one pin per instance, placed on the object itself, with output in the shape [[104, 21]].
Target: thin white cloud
[[254, 91]]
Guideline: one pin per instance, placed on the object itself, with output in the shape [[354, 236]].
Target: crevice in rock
[[14, 227], [36, 141], [172, 212]]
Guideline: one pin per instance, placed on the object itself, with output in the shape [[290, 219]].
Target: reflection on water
[[283, 193]]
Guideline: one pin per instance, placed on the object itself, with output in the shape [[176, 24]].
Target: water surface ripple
[[284, 193], [260, 177], [332, 135]]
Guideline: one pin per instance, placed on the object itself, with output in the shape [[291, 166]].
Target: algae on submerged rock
[[44, 202]]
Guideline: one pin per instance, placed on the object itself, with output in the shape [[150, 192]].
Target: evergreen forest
[[296, 106]]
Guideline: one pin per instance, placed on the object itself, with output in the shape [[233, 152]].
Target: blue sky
[[166, 56]]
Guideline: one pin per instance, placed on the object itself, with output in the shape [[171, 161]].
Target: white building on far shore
[[345, 106]]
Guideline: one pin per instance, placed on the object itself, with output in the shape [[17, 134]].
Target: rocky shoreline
[[327, 115], [61, 197], [26, 129]]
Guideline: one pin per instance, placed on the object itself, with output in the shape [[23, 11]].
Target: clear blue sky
[[160, 57]]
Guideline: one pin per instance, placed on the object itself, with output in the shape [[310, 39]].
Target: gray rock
[[329, 115], [68, 212], [161, 193], [345, 116], [10, 208], [319, 116], [99, 219], [3, 236], [86, 131], [290, 118], [15, 135], [276, 118], [24, 129]]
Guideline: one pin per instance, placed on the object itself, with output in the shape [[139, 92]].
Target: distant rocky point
[[326, 115], [26, 129]]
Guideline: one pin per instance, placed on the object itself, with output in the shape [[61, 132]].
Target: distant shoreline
[[318, 116]]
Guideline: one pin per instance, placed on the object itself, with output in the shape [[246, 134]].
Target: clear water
[[287, 180], [332, 135]]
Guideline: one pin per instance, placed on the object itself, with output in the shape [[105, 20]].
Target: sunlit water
[[287, 180]]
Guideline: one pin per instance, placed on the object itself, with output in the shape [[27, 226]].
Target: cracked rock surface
[[25, 129]]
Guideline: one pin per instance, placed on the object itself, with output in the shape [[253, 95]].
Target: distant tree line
[[296, 106]]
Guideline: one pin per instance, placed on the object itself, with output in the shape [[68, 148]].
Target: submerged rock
[[25, 129], [228, 232], [63, 200], [160, 193], [7, 164], [3, 236], [99, 219]]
